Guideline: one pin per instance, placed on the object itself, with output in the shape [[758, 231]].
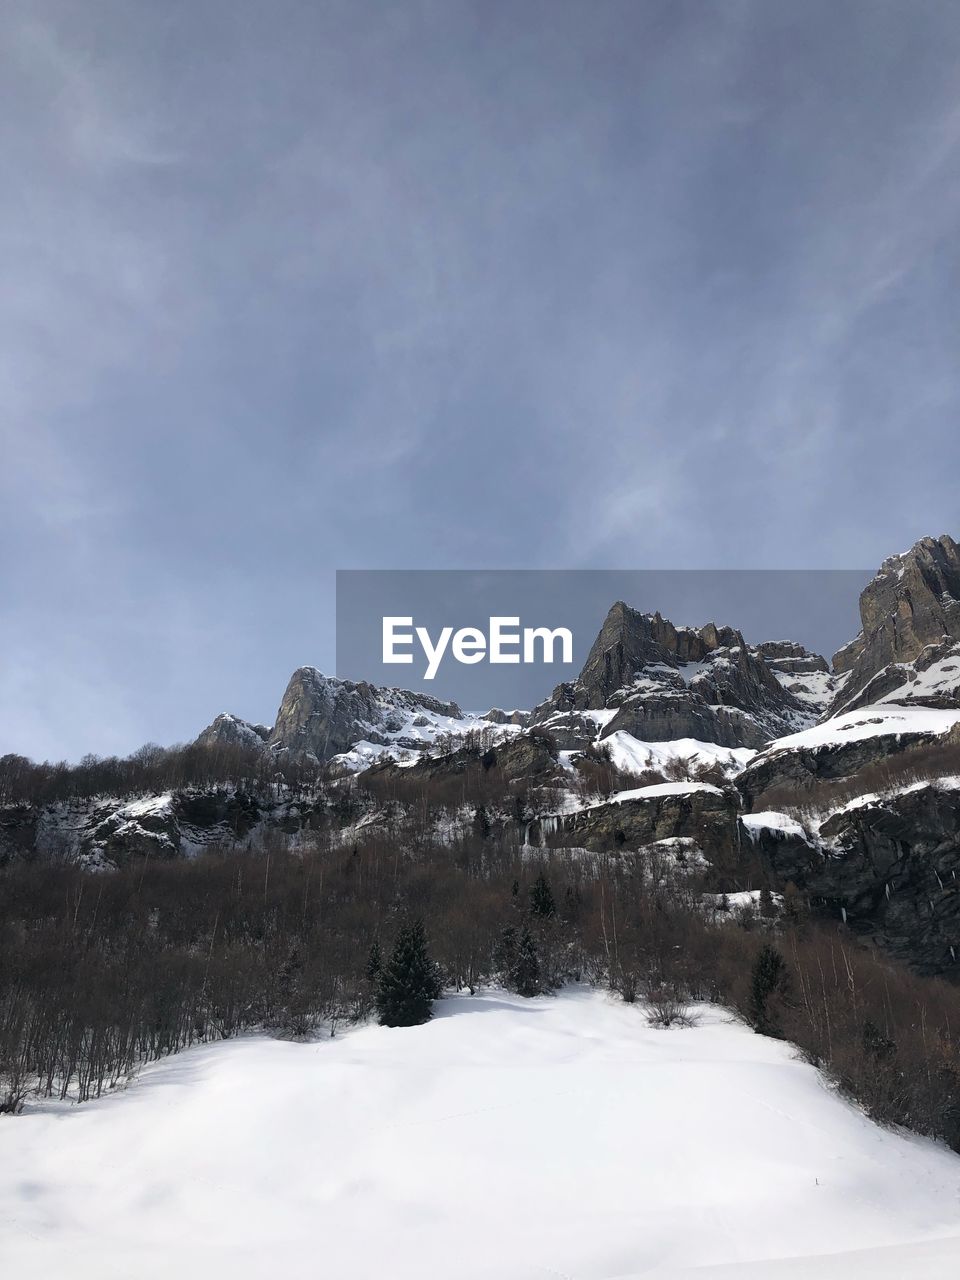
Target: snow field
[[508, 1139]]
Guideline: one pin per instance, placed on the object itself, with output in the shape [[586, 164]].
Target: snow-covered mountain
[[643, 677], [658, 682], [355, 723], [764, 743], [909, 645]]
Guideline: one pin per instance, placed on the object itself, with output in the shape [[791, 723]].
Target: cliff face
[[887, 866], [320, 717], [909, 645], [230, 731], [663, 682]]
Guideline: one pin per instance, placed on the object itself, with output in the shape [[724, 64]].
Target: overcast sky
[[288, 287]]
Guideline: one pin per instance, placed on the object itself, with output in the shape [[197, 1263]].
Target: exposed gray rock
[[894, 868], [890, 867], [524, 756], [792, 855], [496, 716], [664, 682], [799, 768], [910, 616], [321, 716], [787, 655], [707, 815], [109, 832], [806, 676], [230, 731]]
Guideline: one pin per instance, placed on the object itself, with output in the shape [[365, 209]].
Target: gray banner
[[817, 608]]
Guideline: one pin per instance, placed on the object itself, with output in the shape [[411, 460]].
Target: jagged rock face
[[630, 641], [891, 866], [897, 874], [805, 675], [664, 682], [788, 656], [910, 615], [108, 833], [528, 757], [231, 731], [705, 815], [321, 717], [799, 768], [932, 680], [497, 716]]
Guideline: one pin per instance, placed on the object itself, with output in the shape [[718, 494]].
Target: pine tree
[[482, 825], [525, 975], [374, 963], [505, 952], [875, 1044], [408, 983], [541, 898], [769, 977]]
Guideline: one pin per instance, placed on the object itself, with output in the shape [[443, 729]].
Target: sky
[[293, 287]]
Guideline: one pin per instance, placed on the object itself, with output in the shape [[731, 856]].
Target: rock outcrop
[[531, 758], [798, 769], [878, 845], [703, 814], [663, 682], [321, 717], [107, 833], [910, 616], [893, 867], [887, 867], [497, 716], [230, 731]]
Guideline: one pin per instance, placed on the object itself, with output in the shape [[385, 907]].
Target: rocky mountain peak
[[629, 641], [910, 617], [230, 731], [663, 681], [322, 716]]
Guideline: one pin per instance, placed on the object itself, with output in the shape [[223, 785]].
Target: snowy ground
[[873, 721], [629, 753], [508, 1139]]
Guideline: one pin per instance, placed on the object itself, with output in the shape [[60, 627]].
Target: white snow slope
[[507, 1139]]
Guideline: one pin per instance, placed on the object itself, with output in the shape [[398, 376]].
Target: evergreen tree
[[769, 977], [525, 975], [571, 904], [541, 898], [290, 974], [482, 825], [505, 952], [293, 1012], [408, 983], [875, 1044], [374, 963]]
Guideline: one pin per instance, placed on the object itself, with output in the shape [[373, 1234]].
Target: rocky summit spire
[[910, 616], [661, 682]]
